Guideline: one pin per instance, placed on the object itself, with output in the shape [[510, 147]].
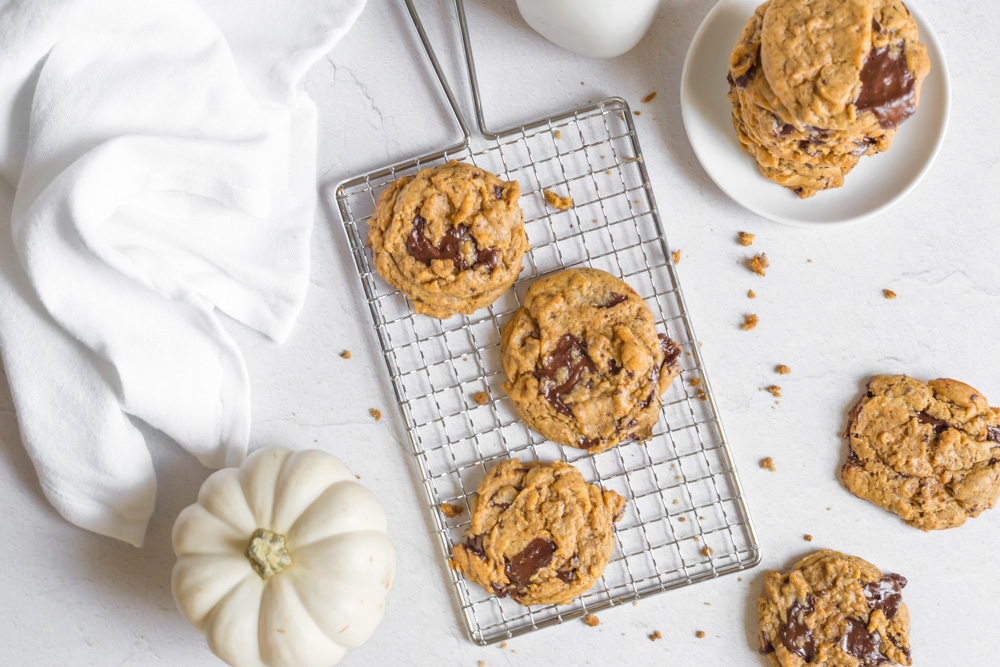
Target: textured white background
[[70, 597]]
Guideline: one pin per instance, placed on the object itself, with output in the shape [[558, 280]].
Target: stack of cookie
[[817, 84]]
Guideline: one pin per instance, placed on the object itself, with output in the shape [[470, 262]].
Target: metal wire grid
[[686, 519]]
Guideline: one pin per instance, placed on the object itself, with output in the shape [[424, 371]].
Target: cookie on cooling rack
[[584, 364], [451, 238], [929, 452], [833, 610], [539, 532]]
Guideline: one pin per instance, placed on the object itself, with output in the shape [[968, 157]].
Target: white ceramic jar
[[596, 28]]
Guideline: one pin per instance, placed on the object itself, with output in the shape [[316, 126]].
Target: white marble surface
[[75, 598]]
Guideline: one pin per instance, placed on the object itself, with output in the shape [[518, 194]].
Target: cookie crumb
[[451, 511], [358, 476], [775, 390], [558, 134], [377, 414], [782, 369], [706, 552], [746, 239], [807, 538], [480, 397], [767, 463], [637, 113], [346, 354], [889, 294], [739, 578], [749, 322], [695, 382], [591, 620], [649, 98], [482, 663], [676, 256], [751, 295], [699, 634], [680, 518], [504, 644], [555, 201], [656, 635], [758, 263]]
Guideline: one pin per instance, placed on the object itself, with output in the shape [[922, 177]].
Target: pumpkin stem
[[267, 553]]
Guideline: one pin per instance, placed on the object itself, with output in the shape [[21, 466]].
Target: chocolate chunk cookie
[[451, 238], [584, 364], [539, 532], [833, 610], [928, 452], [817, 84]]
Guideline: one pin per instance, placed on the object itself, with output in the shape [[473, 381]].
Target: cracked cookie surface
[[584, 364], [833, 610], [815, 85], [929, 452], [451, 238], [539, 533]]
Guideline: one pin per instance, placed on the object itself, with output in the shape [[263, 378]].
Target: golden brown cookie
[[584, 365], [927, 452], [833, 610], [451, 238], [817, 84], [539, 532]]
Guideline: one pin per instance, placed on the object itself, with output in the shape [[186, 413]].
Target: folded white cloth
[[157, 162]]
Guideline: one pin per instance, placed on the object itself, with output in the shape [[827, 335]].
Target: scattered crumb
[[749, 322], [637, 113], [746, 239], [481, 663], [634, 603], [767, 463], [676, 501], [656, 635], [555, 201], [782, 369], [649, 98], [480, 397], [695, 382], [708, 604], [680, 518], [581, 83], [706, 552], [504, 644], [751, 295], [346, 354], [889, 294], [807, 538], [758, 263], [558, 134], [591, 620], [358, 476], [675, 256], [699, 634], [451, 511], [377, 414], [702, 396], [739, 578], [775, 390]]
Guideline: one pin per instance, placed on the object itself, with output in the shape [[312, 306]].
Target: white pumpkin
[[283, 562]]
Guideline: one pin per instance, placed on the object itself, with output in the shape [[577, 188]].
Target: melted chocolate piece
[[502, 506], [670, 350], [498, 192], [938, 424], [475, 545], [421, 248], [875, 26], [785, 130], [887, 88], [862, 644], [645, 403], [795, 634], [613, 367], [885, 594], [765, 645], [529, 560], [993, 433], [571, 354], [589, 444], [613, 300], [743, 79], [568, 576]]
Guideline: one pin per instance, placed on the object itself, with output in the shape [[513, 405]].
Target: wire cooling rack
[[686, 518]]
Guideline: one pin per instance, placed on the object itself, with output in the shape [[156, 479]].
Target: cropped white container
[[596, 28]]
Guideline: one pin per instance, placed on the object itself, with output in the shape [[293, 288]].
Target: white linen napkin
[[157, 162]]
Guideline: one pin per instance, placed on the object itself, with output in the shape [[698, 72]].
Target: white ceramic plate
[[878, 182]]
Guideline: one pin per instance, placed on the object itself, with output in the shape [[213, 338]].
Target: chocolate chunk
[[421, 248], [743, 79], [938, 424], [529, 560], [887, 88], [862, 644], [795, 634], [765, 645], [498, 192], [613, 367], [671, 351], [502, 506], [785, 130], [613, 300], [993, 433], [885, 594], [570, 354], [566, 575], [589, 443], [875, 26], [475, 545]]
